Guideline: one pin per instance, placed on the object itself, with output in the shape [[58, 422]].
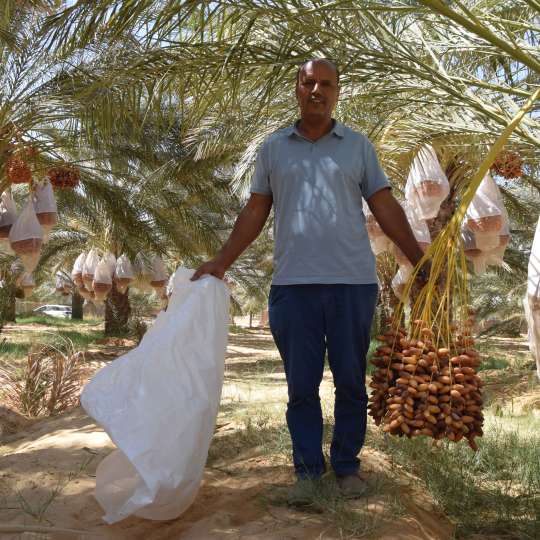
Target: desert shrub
[[48, 383]]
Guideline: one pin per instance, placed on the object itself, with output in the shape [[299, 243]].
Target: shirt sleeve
[[260, 183], [374, 178]]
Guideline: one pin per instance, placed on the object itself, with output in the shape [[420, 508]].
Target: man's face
[[317, 91]]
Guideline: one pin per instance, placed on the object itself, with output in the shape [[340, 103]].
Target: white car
[[54, 310]]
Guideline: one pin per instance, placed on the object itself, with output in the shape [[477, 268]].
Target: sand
[[47, 477]]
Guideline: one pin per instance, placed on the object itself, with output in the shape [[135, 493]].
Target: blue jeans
[[306, 321]]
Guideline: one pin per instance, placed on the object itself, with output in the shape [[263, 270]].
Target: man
[[324, 285]]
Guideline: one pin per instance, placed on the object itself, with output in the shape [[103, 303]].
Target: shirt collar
[[336, 130]]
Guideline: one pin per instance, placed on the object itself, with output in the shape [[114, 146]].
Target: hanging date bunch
[[17, 169], [419, 389], [508, 165], [64, 177]]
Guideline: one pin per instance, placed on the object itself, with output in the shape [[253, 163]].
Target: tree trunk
[[77, 302], [11, 310], [250, 319], [8, 302], [117, 311]]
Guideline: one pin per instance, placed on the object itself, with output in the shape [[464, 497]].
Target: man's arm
[[247, 227], [394, 223]]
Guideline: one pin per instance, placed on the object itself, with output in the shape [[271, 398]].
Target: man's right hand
[[213, 267]]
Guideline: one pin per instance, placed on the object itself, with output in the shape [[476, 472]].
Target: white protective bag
[[484, 216], [123, 274], [427, 185], [399, 281], [143, 272], [102, 283], [420, 230], [159, 276], [26, 236], [45, 207], [531, 302], [378, 240], [77, 271], [532, 315], [89, 267], [475, 255], [8, 213], [110, 259], [159, 403]]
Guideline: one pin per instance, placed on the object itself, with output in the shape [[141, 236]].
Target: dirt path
[[47, 474]]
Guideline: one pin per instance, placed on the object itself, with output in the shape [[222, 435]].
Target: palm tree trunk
[[77, 302], [7, 303], [117, 311]]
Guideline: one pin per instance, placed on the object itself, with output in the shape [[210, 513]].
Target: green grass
[[55, 321], [79, 333], [263, 432], [493, 491], [492, 362]]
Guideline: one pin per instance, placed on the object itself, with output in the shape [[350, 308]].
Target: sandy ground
[[47, 475]]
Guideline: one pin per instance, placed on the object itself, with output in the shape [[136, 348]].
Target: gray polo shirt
[[317, 189]]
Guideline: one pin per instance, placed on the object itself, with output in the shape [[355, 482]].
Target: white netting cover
[[45, 205], [26, 236], [8, 213], [124, 273], [77, 271], [427, 185], [378, 240], [89, 267]]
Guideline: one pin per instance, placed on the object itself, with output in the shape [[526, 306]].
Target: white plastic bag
[[45, 206], [378, 240], [25, 237], [484, 216], [475, 255], [159, 402], [485, 230], [420, 230], [400, 280], [89, 267], [533, 270], [427, 185], [159, 276], [110, 259], [532, 315], [142, 265], [123, 274], [102, 283], [8, 213], [77, 271]]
